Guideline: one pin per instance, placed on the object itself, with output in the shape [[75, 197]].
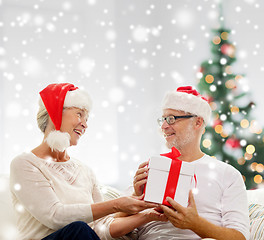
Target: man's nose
[[164, 125]]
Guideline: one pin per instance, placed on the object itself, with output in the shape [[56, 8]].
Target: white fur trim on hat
[[58, 140], [182, 101], [78, 98]]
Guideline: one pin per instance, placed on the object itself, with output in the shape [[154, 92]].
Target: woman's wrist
[[143, 217], [116, 205]]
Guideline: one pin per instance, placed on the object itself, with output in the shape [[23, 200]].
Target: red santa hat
[[187, 99], [55, 97]]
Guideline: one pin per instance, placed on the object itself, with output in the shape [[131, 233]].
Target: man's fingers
[[139, 177], [175, 205], [158, 209], [141, 171], [140, 183], [167, 211], [139, 197], [173, 216], [191, 199], [138, 187], [142, 165]]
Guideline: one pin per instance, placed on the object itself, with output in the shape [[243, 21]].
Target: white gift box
[[159, 169]]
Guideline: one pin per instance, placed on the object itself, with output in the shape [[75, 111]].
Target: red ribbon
[[174, 174]]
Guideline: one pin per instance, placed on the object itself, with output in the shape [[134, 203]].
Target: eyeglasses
[[172, 119]]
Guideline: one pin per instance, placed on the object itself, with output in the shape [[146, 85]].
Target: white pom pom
[[58, 140]]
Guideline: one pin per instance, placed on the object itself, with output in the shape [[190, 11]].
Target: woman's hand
[[132, 205], [154, 214], [140, 179], [123, 225]]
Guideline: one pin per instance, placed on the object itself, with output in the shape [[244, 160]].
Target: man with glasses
[[218, 205]]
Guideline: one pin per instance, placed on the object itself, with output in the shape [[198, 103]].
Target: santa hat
[[54, 98], [189, 100]]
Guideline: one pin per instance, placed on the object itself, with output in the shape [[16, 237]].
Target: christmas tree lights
[[233, 136]]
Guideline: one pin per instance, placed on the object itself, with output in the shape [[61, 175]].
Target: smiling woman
[[74, 122], [55, 195], [55, 102]]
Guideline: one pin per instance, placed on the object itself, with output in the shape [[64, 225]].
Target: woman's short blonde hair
[[42, 118]]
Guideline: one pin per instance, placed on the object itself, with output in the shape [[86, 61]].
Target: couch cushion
[[256, 215], [256, 196], [109, 193]]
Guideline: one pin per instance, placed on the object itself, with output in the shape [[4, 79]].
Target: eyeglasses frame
[[162, 119]]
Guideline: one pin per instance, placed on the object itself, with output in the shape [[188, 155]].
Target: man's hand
[[188, 218], [140, 179], [181, 217]]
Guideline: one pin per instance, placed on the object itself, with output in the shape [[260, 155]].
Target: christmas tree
[[234, 136]]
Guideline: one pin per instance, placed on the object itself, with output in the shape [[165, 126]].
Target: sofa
[[7, 215]]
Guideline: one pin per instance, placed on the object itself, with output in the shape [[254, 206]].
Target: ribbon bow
[[174, 154]]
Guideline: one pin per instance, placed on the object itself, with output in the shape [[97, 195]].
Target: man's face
[[181, 133]]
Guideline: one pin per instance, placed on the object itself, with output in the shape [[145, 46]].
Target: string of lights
[[234, 136]]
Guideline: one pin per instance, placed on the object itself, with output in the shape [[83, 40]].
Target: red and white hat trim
[[188, 100], [78, 98]]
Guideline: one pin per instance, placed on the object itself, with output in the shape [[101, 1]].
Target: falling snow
[[127, 56]]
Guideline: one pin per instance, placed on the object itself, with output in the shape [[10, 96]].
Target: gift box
[[169, 176]]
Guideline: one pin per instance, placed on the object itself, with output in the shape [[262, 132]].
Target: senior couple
[[58, 197]]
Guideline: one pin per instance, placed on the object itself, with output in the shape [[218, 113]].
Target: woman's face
[[74, 122]]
